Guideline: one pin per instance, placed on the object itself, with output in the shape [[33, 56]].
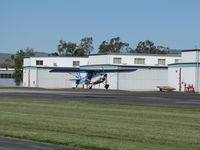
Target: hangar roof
[[139, 54], [56, 57], [190, 50], [7, 69]]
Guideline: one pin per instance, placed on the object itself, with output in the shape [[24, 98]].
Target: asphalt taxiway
[[15, 144], [114, 96]]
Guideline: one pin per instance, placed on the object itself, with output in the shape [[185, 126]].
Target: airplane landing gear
[[106, 86], [90, 87]]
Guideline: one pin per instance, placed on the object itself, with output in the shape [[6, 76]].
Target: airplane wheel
[[106, 86], [90, 87]]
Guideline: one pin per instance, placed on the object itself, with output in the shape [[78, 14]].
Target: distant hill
[[4, 56], [41, 54]]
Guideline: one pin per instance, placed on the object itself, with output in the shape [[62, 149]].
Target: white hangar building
[[185, 75], [152, 70], [36, 71], [6, 78]]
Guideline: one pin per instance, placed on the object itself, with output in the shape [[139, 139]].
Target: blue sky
[[40, 24]]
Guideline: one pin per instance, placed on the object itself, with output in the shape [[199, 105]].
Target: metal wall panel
[[53, 80], [143, 79], [180, 76], [7, 81], [30, 77]]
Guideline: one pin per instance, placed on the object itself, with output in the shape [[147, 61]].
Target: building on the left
[[36, 71], [6, 78]]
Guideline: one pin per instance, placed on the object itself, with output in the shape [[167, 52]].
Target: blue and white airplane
[[93, 76]]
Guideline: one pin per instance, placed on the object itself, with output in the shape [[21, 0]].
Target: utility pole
[[197, 71]]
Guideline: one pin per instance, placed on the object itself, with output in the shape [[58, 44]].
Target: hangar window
[[76, 63], [176, 60], [139, 61], [6, 76], [39, 62], [9, 76], [161, 61], [117, 60]]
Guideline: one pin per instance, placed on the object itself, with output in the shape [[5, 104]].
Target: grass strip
[[101, 126]]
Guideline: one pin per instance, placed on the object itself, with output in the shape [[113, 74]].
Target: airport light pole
[[197, 71]]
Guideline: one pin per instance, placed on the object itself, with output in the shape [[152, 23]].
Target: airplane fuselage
[[92, 79]]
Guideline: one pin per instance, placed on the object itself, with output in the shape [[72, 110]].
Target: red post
[[193, 89], [29, 80]]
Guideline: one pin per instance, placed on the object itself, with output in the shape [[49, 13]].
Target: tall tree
[[114, 46], [149, 47], [162, 50], [104, 47], [66, 48], [61, 47], [145, 47], [70, 49], [18, 64], [86, 45], [79, 52]]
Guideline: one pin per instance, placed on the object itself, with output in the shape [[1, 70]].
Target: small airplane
[[93, 76]]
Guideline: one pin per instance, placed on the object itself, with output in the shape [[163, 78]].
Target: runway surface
[[15, 144], [114, 96]]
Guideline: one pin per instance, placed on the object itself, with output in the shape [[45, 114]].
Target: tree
[[104, 47], [18, 64], [114, 46], [86, 45], [53, 54], [70, 49], [61, 47], [79, 52], [149, 47], [66, 48], [8, 63], [145, 47], [162, 50]]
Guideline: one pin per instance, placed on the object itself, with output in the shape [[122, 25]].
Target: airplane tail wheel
[[106, 86]]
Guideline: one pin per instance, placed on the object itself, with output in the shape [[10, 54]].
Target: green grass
[[101, 126]]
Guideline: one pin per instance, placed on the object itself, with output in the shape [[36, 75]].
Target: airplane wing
[[106, 70]]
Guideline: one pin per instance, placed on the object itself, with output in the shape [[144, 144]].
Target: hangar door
[[53, 80], [143, 79]]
